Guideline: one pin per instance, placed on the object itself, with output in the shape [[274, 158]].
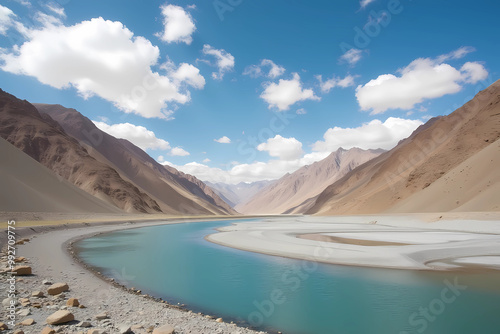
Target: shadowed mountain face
[[437, 163], [175, 192], [294, 193], [34, 188], [45, 141], [235, 194]]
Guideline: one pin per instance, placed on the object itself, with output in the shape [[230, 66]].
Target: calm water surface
[[174, 262]]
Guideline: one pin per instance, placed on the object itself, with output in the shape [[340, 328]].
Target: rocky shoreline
[[51, 300]]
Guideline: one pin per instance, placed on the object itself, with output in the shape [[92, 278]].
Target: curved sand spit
[[395, 241]]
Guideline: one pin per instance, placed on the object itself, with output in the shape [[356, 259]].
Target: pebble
[[48, 330], [37, 294], [27, 322]]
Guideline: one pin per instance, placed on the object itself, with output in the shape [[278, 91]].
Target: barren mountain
[[288, 193], [235, 194], [441, 167], [45, 141], [174, 191], [34, 188]]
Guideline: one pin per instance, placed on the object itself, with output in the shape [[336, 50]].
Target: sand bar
[[416, 242]]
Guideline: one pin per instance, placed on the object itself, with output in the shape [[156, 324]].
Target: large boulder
[[60, 317], [57, 288], [165, 329], [48, 330]]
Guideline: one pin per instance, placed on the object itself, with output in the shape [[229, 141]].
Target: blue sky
[[230, 90]]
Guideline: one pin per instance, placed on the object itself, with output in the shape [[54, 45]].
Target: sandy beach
[[51, 262], [419, 242]]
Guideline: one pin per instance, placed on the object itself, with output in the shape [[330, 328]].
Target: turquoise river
[[176, 263]]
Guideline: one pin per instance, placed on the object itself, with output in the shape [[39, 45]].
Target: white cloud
[[364, 3], [422, 79], [351, 56], [282, 148], [56, 9], [6, 19], [329, 84], [186, 73], [301, 111], [207, 160], [137, 135], [103, 58], [473, 72], [372, 135], [178, 25], [47, 20], [177, 151], [456, 54], [161, 158], [223, 140], [286, 93], [224, 61], [257, 70]]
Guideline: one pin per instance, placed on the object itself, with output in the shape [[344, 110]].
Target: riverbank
[[454, 241], [47, 254]]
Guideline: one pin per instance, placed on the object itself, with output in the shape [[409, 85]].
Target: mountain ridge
[[418, 161], [289, 192], [175, 191]]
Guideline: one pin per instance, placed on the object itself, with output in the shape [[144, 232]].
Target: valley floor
[[421, 242]]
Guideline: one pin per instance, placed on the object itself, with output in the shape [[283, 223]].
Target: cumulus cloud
[[185, 73], [329, 84], [136, 134], [223, 140], [177, 151], [422, 79], [372, 135], [472, 72], [351, 56], [224, 61], [272, 72], [178, 25], [286, 93], [282, 148], [104, 58]]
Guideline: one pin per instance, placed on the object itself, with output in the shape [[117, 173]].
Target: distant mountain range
[[113, 170], [293, 193], [236, 194]]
